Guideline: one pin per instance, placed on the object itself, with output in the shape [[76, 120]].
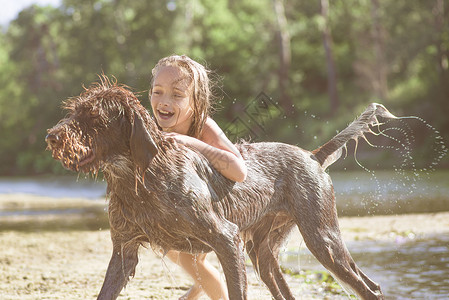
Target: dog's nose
[[52, 139]]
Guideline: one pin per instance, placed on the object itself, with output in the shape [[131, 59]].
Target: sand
[[56, 257]]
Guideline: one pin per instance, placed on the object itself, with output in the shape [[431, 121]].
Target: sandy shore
[[66, 262]]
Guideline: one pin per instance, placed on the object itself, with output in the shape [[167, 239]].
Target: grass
[[328, 283]]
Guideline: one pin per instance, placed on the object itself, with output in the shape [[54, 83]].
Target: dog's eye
[[94, 113]]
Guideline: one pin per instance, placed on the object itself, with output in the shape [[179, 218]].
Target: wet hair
[[200, 88]]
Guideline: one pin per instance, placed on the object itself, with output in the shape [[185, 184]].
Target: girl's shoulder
[[213, 135], [211, 132]]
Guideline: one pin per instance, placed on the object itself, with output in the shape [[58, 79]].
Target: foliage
[[394, 52], [328, 283]]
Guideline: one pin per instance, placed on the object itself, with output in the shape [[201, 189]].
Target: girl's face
[[171, 100]]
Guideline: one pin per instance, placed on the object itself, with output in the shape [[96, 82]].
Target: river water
[[408, 269], [54, 187]]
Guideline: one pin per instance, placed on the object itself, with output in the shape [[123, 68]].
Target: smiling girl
[[181, 102]]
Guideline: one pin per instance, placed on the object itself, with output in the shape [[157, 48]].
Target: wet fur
[[169, 196]]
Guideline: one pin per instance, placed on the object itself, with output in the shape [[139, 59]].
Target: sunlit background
[[321, 66], [314, 65]]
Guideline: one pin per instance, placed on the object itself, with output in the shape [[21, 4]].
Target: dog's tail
[[332, 150]]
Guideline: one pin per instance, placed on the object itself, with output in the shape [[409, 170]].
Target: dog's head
[[104, 123]]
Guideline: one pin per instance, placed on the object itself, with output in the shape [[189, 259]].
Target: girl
[[181, 101]]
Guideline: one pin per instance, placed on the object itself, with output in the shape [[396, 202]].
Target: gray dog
[[167, 195]]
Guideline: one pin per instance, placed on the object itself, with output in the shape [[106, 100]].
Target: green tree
[[394, 52]]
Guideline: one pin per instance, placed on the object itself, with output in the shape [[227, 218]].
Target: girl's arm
[[218, 149]]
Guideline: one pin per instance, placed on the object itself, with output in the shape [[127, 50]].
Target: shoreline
[[25, 208], [63, 261]]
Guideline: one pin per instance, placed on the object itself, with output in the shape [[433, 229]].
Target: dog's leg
[[318, 223], [276, 239], [372, 285], [264, 253], [224, 239], [121, 266]]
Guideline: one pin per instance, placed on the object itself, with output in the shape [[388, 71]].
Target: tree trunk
[[380, 83], [331, 72], [443, 52], [284, 56]]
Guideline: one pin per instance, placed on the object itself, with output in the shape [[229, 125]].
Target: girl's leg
[[195, 291], [206, 277]]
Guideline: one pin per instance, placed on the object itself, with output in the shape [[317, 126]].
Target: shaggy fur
[[169, 196]]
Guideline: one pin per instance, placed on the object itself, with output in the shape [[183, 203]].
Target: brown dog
[[169, 196]]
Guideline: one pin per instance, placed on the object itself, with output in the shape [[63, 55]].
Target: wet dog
[[168, 195]]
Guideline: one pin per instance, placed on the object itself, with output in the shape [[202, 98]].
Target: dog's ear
[[143, 148]]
